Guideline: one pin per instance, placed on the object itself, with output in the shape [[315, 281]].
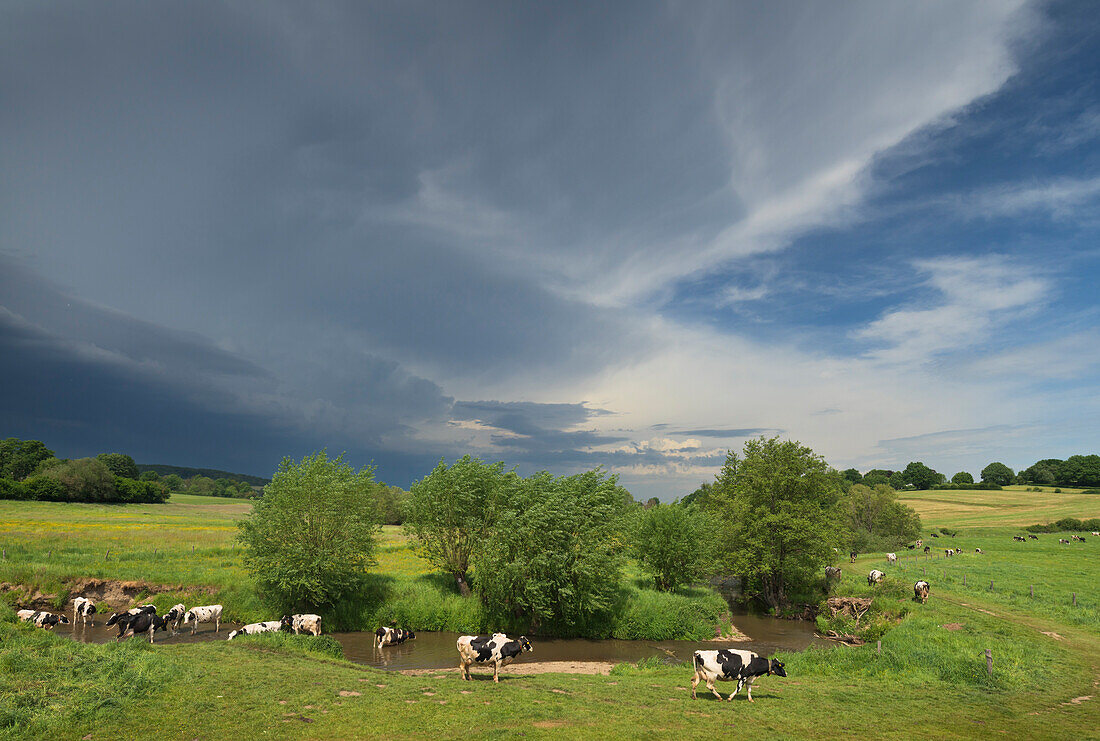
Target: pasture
[[1009, 507]]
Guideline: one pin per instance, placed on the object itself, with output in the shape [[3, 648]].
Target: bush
[[12, 490], [311, 538], [948, 531], [674, 543]]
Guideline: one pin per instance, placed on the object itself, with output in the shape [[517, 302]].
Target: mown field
[[1012, 506]]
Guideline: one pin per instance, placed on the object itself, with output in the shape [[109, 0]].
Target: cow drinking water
[[386, 636]]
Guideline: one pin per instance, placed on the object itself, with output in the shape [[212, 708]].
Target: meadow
[[929, 679]]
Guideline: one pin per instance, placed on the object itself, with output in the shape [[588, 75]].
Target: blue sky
[[561, 235]]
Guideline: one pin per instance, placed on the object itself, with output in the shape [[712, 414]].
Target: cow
[[385, 636], [151, 609], [174, 616], [852, 556], [927, 548], [958, 551], [978, 550], [948, 552], [934, 535], [892, 557], [730, 664], [1063, 540], [46, 620], [268, 626], [1020, 538], [204, 614], [920, 591], [1032, 537], [919, 543], [495, 649], [1094, 532], [84, 609], [875, 577], [142, 622], [305, 623]]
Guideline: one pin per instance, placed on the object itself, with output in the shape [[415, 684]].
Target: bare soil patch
[[953, 626]]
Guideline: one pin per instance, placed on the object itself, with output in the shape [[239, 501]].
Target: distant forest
[[185, 472]]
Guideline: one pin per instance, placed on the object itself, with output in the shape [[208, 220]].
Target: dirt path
[[534, 667]]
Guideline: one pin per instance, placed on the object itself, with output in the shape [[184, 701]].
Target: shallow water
[[436, 650]]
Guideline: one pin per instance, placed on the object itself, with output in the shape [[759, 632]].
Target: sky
[[560, 235]]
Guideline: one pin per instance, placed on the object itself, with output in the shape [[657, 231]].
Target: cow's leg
[[465, 667], [496, 671], [151, 629], [711, 687], [217, 623], [740, 684], [750, 689], [694, 684]]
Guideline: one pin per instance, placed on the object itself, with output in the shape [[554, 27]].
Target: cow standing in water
[[392, 636], [83, 609]]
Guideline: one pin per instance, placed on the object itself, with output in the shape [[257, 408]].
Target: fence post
[[878, 649], [923, 571], [990, 585], [107, 555], [989, 662], [964, 580], [1031, 588], [192, 550], [1075, 599], [49, 553]]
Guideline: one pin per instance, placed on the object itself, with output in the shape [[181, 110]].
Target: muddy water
[[436, 650]]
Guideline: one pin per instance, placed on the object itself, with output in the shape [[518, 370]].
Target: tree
[[83, 480], [878, 520], [451, 510], [149, 476], [701, 496], [962, 477], [897, 480], [674, 543], [852, 475], [174, 482], [311, 537], [393, 501], [119, 464], [920, 476], [20, 458], [998, 473], [877, 476], [553, 559], [781, 509]]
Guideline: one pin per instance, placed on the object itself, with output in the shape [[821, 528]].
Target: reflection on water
[[436, 650]]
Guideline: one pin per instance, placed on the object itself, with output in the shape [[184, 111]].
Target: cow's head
[[775, 666], [409, 635], [189, 617], [286, 622], [524, 644], [115, 618], [64, 620]]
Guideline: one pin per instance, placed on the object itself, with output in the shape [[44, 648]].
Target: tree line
[[1078, 471], [30, 471]]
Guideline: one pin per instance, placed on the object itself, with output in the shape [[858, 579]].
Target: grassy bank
[[190, 542]]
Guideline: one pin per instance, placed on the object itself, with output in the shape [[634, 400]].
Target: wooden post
[[1075, 599], [154, 551], [1031, 588], [989, 662], [964, 580], [192, 550], [878, 649], [107, 555], [990, 585], [5, 554], [923, 571], [49, 553]]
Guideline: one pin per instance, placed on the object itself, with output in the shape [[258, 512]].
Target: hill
[[185, 472]]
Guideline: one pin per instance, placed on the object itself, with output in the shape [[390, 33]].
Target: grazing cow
[[1020, 538], [141, 622], [920, 591], [385, 636], [495, 649], [948, 552], [910, 547], [1063, 540], [40, 619], [1032, 537], [875, 577], [1096, 533], [977, 550], [958, 551], [175, 616], [852, 556], [730, 664], [892, 557], [306, 623], [934, 535], [927, 548], [205, 614], [832, 572], [84, 609], [269, 626], [919, 543]]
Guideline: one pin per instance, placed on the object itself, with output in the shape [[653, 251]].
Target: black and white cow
[[730, 664], [41, 619], [385, 636], [948, 552], [978, 550], [304, 623], [875, 577], [1020, 538], [495, 649], [268, 626], [892, 557], [150, 609], [832, 572], [920, 591], [1036, 537], [142, 622], [852, 556], [174, 617], [204, 614], [84, 609], [934, 535], [927, 548]]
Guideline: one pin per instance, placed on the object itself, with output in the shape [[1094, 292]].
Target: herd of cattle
[[145, 620]]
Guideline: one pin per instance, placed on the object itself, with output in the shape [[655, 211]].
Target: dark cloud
[[732, 432], [534, 427]]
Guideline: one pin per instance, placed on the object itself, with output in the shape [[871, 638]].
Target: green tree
[[1037, 474], [174, 482], [119, 464], [962, 477], [853, 476], [897, 480], [83, 479], [781, 508], [878, 520], [921, 476], [877, 476], [701, 496], [553, 560], [998, 473], [201, 486], [310, 539], [20, 458], [149, 476], [674, 543], [393, 502], [451, 510]]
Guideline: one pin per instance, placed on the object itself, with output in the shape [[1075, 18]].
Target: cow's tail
[[698, 660]]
